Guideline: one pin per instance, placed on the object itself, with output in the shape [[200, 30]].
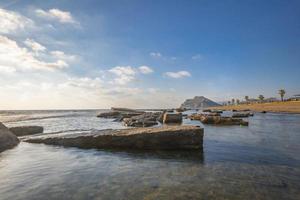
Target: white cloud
[[125, 74], [15, 57], [35, 46], [61, 55], [7, 70], [155, 54], [179, 74], [56, 14], [153, 90], [197, 57], [11, 21], [145, 69]]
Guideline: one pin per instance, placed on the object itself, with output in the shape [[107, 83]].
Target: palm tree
[[261, 97], [281, 93], [247, 98], [237, 101], [232, 101]]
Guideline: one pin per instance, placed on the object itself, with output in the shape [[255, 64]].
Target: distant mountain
[[198, 102]]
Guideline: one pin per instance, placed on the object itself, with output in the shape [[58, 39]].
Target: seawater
[[261, 161]]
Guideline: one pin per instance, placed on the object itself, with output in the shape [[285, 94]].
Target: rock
[[263, 111], [7, 139], [117, 115], [159, 138], [161, 116], [218, 120], [180, 110], [242, 115], [26, 130], [172, 118], [125, 110], [145, 120], [217, 111], [111, 114]]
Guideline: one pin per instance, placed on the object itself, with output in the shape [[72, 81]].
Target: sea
[[261, 161]]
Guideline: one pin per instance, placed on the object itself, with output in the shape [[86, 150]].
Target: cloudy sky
[[64, 54]]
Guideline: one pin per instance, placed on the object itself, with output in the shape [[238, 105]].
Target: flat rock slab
[[159, 138], [26, 130]]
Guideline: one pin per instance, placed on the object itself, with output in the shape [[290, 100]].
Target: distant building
[[295, 98]]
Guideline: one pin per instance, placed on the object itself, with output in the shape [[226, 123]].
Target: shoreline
[[287, 107]]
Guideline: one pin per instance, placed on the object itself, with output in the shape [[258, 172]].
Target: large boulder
[[26, 130], [172, 118], [7, 139], [159, 138]]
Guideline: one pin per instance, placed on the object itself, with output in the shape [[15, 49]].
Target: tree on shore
[[232, 101], [261, 97], [281, 93], [237, 101], [247, 98], [228, 102]]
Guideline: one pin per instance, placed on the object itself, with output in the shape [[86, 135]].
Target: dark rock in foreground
[[7, 139], [160, 138], [26, 130]]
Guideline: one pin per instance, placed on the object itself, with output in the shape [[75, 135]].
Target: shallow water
[[261, 161]]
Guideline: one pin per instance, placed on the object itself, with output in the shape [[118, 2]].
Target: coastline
[[290, 107]]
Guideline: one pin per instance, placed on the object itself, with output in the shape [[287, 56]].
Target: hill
[[198, 102]]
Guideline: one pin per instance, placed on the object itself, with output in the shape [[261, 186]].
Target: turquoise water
[[261, 161]]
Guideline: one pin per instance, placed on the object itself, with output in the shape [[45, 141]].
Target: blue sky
[[97, 54]]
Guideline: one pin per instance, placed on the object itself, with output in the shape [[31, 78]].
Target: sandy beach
[[277, 107]]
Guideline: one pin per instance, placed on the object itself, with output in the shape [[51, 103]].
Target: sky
[[64, 54]]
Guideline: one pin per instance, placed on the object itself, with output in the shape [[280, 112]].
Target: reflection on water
[[261, 161]]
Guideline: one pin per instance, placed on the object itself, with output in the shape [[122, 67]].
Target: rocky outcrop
[[26, 130], [7, 139], [218, 120], [160, 138], [242, 115], [120, 113], [198, 102], [172, 118], [145, 120]]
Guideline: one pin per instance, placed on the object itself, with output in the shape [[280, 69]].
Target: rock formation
[[170, 118], [26, 130], [7, 139], [159, 138]]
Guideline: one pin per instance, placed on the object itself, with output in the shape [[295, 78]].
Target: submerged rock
[[26, 130], [160, 138], [119, 115], [172, 118], [7, 139], [218, 120], [242, 115]]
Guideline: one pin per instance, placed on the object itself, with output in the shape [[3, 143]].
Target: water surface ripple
[[261, 161]]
